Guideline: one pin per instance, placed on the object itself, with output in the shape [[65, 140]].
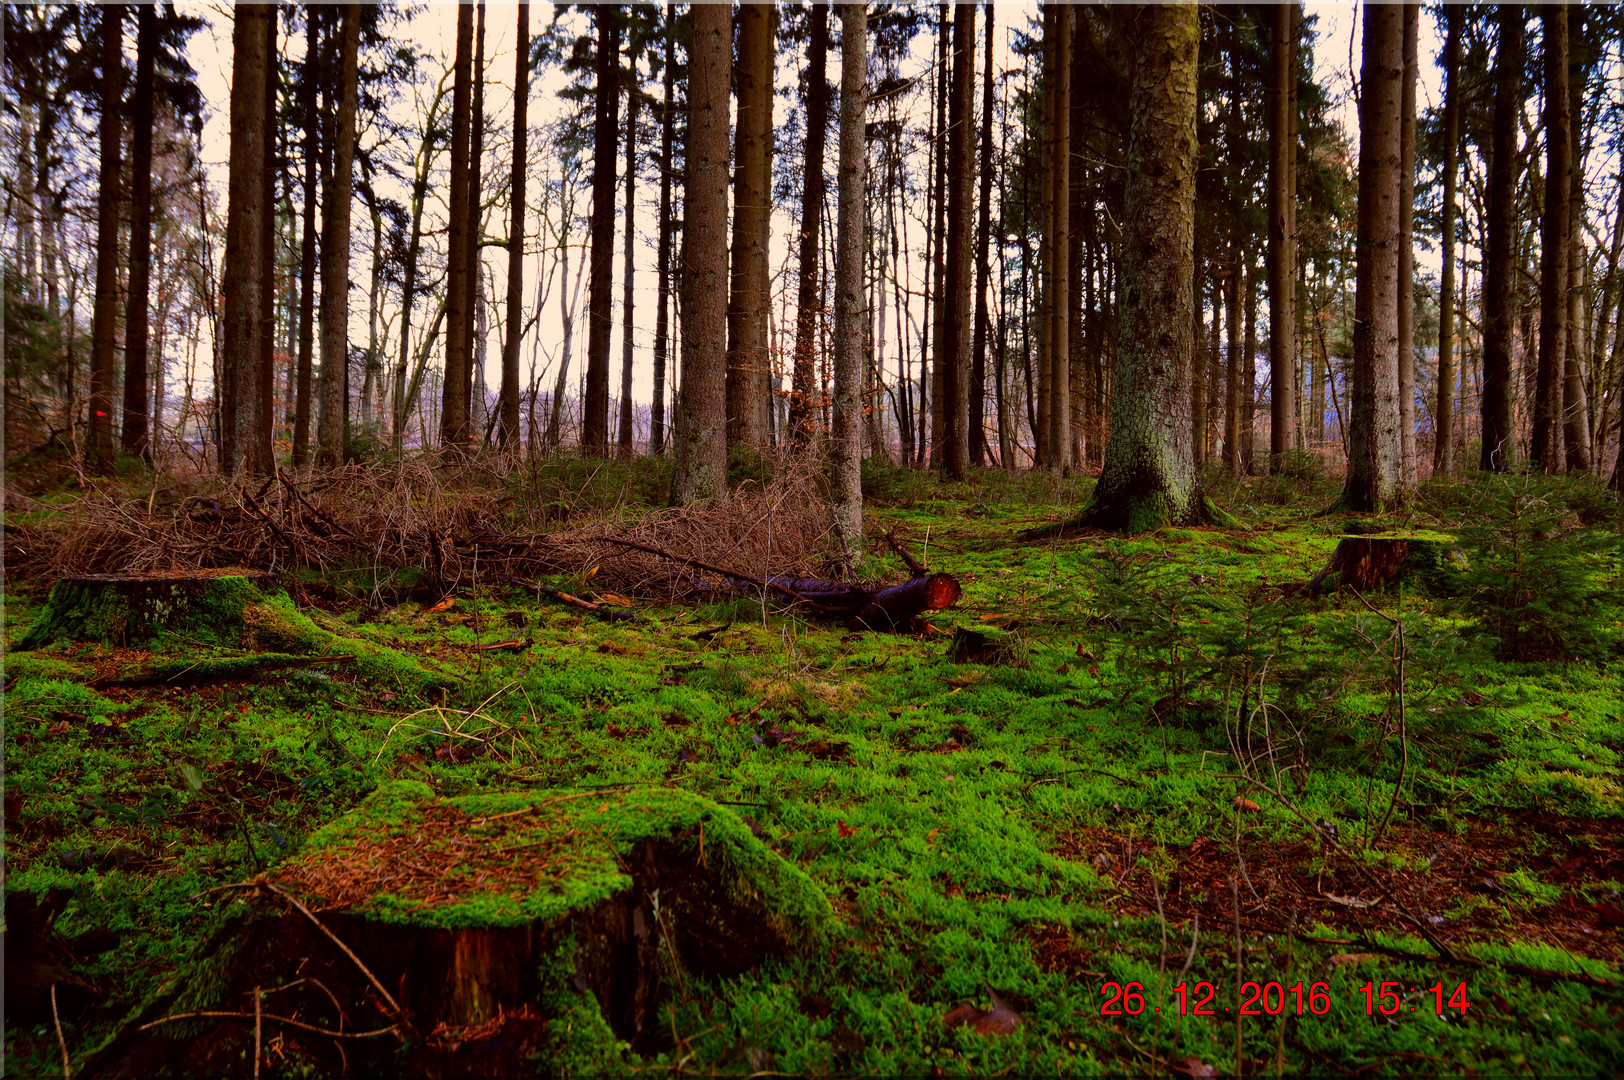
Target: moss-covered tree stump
[[1368, 561], [225, 607], [460, 929]]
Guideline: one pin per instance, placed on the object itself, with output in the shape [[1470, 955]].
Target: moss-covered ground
[[1181, 771]]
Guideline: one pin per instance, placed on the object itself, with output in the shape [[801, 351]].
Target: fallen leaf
[[1243, 803], [443, 605], [845, 830], [1193, 1067], [998, 1020]]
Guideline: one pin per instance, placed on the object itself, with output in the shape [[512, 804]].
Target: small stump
[[1367, 561], [484, 917], [232, 607]]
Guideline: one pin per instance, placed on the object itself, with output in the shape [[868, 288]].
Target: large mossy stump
[[1370, 560], [485, 918], [233, 607]]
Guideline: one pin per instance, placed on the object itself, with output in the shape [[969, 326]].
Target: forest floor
[[1170, 766]]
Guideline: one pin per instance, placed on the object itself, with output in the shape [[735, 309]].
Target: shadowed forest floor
[[1167, 764]]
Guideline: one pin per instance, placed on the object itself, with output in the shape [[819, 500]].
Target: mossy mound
[[486, 918], [228, 607], [1368, 560]]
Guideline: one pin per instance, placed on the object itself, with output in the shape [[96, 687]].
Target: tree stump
[[231, 607], [1367, 561], [482, 917]]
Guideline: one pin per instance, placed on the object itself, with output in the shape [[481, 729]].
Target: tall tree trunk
[[627, 422], [453, 399], [600, 286], [748, 359], [983, 325], [1375, 482], [954, 347], [1575, 408], [1555, 235], [134, 436], [1282, 260], [261, 458], [1060, 249], [103, 333], [307, 250], [937, 298], [806, 302], [700, 438], [1150, 479], [662, 323], [1045, 284], [509, 430], [475, 209], [1232, 367], [1249, 367], [335, 253], [1408, 465], [1499, 450], [846, 449], [1443, 451]]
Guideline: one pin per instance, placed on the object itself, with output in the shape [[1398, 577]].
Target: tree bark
[[983, 322], [258, 447], [1555, 235], [662, 324], [937, 298], [748, 360], [476, 324], [307, 249], [954, 348], [1443, 451], [700, 438], [1576, 417], [453, 399], [1282, 258], [600, 282], [1249, 368], [845, 456], [806, 305], [1375, 481], [509, 412], [1150, 479], [135, 433], [1499, 449], [1409, 476], [335, 253], [1232, 368], [103, 332]]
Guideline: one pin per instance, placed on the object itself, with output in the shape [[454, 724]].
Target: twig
[[781, 590], [274, 1018], [399, 1016], [257, 1036], [297, 494], [61, 1043], [915, 567]]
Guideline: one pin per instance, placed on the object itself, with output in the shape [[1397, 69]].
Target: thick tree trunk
[[1375, 482], [748, 360], [1499, 450], [1576, 417], [1150, 478], [509, 412], [954, 347], [307, 251], [453, 400], [1555, 235], [700, 436], [600, 282], [103, 332], [806, 304], [627, 423], [1443, 451], [1282, 260], [846, 449], [983, 323], [1409, 475], [335, 253], [662, 323], [135, 433]]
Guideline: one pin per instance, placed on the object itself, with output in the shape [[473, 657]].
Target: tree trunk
[[627, 422], [99, 447], [1555, 235], [700, 438], [846, 449], [600, 285], [662, 324], [477, 315], [509, 411], [1575, 408], [135, 434], [1499, 450], [936, 298], [1408, 465], [259, 442], [954, 348], [806, 305], [1282, 259], [1443, 456], [1150, 479], [1249, 368], [1375, 482], [748, 360], [453, 399], [335, 253], [1232, 368], [983, 322], [307, 251]]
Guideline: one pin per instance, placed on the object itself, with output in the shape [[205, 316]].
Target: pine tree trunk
[[1282, 260], [1575, 408], [937, 297], [307, 253], [1060, 250], [1375, 482], [954, 347], [1232, 369], [1555, 235], [1408, 464], [257, 443], [335, 253], [806, 305], [600, 283], [103, 333], [135, 433], [1499, 449], [509, 415], [978, 348], [662, 323], [700, 436], [846, 448], [475, 209], [1150, 479], [748, 361], [1443, 451], [453, 401], [1249, 370], [626, 431]]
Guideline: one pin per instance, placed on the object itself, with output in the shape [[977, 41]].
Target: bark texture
[[1499, 450], [846, 450], [1408, 464], [601, 275], [239, 322], [1282, 258], [1555, 234], [335, 253], [453, 398], [662, 324], [508, 416], [748, 361], [954, 350], [307, 247], [802, 395], [627, 423], [99, 446], [1443, 451], [135, 433]]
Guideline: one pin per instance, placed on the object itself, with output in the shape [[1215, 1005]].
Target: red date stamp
[[1273, 999]]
